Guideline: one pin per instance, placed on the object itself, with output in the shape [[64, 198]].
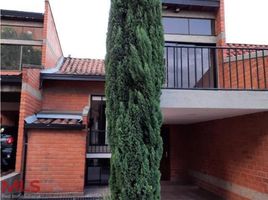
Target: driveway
[[171, 191]]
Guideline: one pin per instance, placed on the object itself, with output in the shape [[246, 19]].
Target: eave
[[56, 126], [72, 77], [192, 4]]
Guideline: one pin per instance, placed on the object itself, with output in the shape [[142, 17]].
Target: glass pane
[[21, 33], [31, 55], [175, 25], [10, 57], [97, 121], [200, 27]]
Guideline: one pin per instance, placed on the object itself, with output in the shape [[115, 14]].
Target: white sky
[[82, 24]]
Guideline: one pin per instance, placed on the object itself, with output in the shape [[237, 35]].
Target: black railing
[[206, 67], [98, 142]]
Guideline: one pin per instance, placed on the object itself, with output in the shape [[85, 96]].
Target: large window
[[13, 57], [188, 26], [21, 32]]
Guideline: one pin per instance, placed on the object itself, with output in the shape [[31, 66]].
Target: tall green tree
[[134, 76]]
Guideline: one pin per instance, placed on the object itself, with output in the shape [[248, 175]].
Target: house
[[214, 104]]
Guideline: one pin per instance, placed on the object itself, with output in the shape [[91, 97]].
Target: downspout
[[25, 147], [29, 119]]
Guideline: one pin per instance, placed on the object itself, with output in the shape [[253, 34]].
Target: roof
[[22, 15], [55, 121], [240, 49], [82, 66], [77, 69]]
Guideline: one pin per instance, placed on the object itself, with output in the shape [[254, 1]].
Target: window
[[200, 27], [175, 25], [14, 56], [188, 26], [21, 32]]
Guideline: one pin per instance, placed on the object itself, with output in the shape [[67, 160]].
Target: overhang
[[54, 121], [10, 77], [71, 77], [205, 3], [192, 106], [22, 15]]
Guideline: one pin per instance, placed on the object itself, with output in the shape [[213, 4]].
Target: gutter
[[72, 77], [56, 126]]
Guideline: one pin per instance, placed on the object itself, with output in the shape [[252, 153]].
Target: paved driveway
[[171, 191]]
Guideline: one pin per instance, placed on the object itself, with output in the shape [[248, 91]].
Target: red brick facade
[[56, 159], [178, 154], [233, 150], [30, 103], [74, 99], [220, 25]]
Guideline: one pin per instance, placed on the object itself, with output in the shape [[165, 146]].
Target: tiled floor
[[169, 191]]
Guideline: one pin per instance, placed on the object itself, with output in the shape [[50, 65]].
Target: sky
[[82, 24]]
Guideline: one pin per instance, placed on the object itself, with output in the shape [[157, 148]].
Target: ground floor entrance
[[224, 156]]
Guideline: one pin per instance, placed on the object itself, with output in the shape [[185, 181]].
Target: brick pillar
[[51, 49], [220, 25], [30, 103]]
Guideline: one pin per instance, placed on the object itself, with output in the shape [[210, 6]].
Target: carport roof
[[55, 121]]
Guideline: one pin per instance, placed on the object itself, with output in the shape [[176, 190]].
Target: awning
[[55, 121]]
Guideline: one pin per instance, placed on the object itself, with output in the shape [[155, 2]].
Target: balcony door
[[98, 135]]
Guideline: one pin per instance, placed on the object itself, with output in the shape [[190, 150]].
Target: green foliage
[[134, 76]]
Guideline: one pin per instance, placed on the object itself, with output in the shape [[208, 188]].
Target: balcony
[[98, 145], [198, 67], [206, 83]]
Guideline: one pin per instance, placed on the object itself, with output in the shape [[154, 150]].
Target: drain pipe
[[25, 147]]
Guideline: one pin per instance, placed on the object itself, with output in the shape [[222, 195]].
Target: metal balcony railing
[[206, 67], [97, 142]]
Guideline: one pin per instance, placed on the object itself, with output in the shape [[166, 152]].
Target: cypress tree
[[134, 77]]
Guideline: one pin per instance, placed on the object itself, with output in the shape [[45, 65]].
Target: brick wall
[[250, 73], [55, 97], [220, 25], [178, 154], [30, 103], [51, 49], [56, 159], [234, 150]]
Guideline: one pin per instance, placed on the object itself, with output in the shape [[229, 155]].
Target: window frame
[[212, 23], [100, 97], [21, 54]]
